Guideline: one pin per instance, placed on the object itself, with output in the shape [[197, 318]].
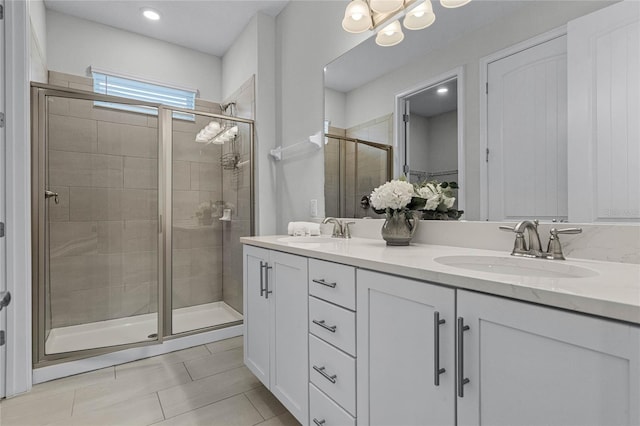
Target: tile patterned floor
[[205, 385]]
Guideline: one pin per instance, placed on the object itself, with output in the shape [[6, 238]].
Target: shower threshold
[[137, 328]]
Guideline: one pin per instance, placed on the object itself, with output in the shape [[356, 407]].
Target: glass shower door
[[99, 210]]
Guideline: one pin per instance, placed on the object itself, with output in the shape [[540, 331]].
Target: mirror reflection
[[526, 147]]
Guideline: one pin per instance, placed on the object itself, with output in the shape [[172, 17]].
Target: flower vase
[[399, 227]]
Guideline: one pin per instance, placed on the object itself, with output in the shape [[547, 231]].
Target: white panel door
[[256, 313], [532, 365], [287, 293], [604, 115], [396, 348], [527, 134]]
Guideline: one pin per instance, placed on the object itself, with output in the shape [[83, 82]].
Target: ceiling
[[429, 102], [209, 26], [368, 61]]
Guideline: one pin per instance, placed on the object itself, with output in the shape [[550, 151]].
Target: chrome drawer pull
[[437, 371], [461, 379], [319, 422], [324, 283], [320, 370], [331, 328]]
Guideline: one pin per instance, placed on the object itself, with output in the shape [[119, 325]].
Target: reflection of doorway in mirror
[[429, 132], [527, 133]]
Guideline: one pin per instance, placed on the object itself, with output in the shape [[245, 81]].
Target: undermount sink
[[320, 239], [517, 266]]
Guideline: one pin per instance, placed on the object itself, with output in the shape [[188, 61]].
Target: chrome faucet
[[340, 229], [533, 248]]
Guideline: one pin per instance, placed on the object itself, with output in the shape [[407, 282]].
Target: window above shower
[[108, 83]]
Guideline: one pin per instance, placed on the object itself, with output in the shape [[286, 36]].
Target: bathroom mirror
[[362, 89]]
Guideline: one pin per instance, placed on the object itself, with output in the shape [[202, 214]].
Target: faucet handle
[[507, 228], [554, 249], [555, 232], [346, 229]]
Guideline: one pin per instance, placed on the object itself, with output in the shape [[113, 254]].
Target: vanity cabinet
[[368, 348], [533, 365], [406, 351], [275, 325]]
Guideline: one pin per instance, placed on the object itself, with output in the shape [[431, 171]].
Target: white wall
[[443, 142], [74, 44], [253, 53], [419, 143], [334, 108], [308, 36], [38, 41], [377, 98]]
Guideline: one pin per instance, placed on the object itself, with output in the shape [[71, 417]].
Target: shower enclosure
[[352, 169], [136, 222]]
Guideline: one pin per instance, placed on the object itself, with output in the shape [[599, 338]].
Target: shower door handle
[[5, 299], [48, 194]]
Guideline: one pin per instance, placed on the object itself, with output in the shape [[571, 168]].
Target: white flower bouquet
[[439, 200]]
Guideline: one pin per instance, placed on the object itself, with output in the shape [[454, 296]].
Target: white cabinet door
[[396, 352], [604, 106], [531, 365], [256, 313], [288, 298], [527, 133]]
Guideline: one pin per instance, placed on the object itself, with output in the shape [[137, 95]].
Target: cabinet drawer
[[333, 324], [333, 282], [323, 411], [333, 372]]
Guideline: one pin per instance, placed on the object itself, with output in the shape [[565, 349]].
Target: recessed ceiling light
[[150, 14], [442, 90]]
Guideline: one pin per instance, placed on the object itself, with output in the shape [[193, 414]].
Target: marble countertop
[[613, 290]]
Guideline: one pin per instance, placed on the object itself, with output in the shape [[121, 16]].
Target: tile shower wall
[[237, 195], [197, 247], [103, 234]]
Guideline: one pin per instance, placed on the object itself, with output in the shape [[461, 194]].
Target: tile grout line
[[188, 372], [254, 406], [164, 416]]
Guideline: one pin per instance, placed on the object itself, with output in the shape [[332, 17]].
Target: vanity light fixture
[[150, 14], [364, 15]]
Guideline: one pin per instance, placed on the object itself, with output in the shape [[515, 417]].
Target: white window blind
[[142, 91]]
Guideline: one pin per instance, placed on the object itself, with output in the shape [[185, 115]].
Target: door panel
[[396, 351], [98, 202], [527, 134]]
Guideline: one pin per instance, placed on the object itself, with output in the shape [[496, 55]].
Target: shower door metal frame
[[342, 171], [39, 124]]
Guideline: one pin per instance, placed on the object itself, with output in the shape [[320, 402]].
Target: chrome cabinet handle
[[319, 422], [49, 194], [324, 283], [461, 379], [331, 328], [262, 266], [320, 370], [437, 371], [267, 292]]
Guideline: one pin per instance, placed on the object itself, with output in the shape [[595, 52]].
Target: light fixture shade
[[420, 17], [390, 35], [357, 17], [451, 4], [386, 6]]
